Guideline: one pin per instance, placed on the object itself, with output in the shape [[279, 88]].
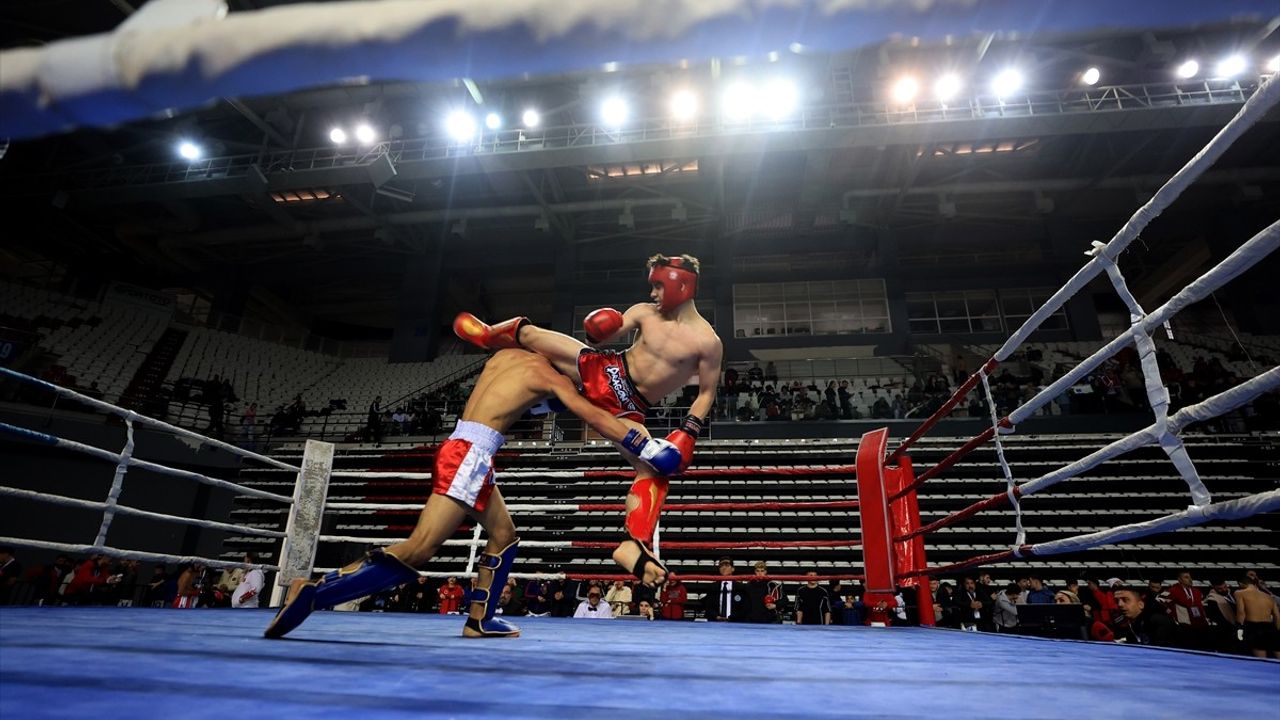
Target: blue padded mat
[[145, 663]]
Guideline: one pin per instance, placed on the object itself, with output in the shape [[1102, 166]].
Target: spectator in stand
[[619, 598], [509, 604], [726, 600], [214, 399], [248, 594], [760, 597], [944, 602], [592, 608], [970, 610], [417, 596], [645, 610], [770, 372], [1155, 596], [10, 573], [562, 602], [1220, 604], [249, 424], [756, 376], [123, 583], [1139, 625], [846, 400], [190, 582], [374, 420], [1259, 618], [1004, 613], [537, 596], [450, 596], [1186, 602], [399, 420], [813, 606], [674, 597], [156, 595], [89, 581], [1038, 594]]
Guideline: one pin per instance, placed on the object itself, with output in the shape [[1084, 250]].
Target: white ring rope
[[1208, 409], [1244, 257], [73, 549], [1195, 515], [1020, 533], [143, 419], [127, 510], [1254, 109], [80, 447], [117, 485]]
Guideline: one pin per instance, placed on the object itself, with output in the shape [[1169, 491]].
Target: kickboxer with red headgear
[[674, 345], [512, 382]]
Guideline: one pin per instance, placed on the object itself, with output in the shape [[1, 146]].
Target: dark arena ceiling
[[833, 152]]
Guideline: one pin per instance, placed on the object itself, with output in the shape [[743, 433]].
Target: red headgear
[[679, 282]]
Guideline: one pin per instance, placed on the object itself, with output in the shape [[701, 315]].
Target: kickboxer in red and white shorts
[[512, 382], [675, 345]]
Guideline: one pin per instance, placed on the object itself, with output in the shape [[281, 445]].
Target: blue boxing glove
[[661, 455], [548, 405]]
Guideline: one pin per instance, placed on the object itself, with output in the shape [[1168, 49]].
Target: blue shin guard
[[490, 626], [378, 571]]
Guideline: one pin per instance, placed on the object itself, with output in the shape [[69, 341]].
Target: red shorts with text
[[607, 384]]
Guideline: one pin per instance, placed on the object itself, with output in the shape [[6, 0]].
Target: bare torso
[[1258, 606], [666, 352], [512, 381]]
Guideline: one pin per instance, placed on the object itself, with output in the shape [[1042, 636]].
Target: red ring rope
[[713, 578], [736, 545]]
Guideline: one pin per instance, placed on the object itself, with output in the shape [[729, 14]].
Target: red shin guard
[[643, 518]]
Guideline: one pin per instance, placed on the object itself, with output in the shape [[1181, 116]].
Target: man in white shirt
[[592, 608], [249, 591]]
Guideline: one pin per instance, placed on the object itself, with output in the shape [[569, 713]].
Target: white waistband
[[478, 434]]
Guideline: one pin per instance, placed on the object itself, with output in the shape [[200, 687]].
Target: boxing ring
[[136, 662]]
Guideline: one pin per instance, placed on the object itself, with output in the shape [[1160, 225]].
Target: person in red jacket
[[450, 596], [90, 574], [674, 598], [1186, 602]]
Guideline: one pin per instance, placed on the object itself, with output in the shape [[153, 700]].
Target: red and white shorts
[[464, 464], [606, 382]]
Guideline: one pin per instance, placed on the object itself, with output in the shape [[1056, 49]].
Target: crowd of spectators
[[1117, 386], [100, 580]]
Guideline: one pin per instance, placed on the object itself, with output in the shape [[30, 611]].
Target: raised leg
[[644, 505]]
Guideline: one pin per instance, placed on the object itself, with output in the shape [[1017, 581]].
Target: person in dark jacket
[[1140, 625]]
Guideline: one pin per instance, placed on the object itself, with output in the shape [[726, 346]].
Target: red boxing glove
[[684, 443], [602, 324]]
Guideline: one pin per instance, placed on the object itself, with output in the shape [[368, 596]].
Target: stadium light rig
[[684, 105], [337, 136], [189, 150], [904, 90], [1231, 66], [1188, 69], [460, 126], [614, 112], [365, 134], [1006, 83], [1091, 76], [530, 118], [947, 87], [493, 121]]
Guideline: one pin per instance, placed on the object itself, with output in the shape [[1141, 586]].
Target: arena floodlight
[[739, 102], [948, 87], [1091, 76], [189, 150], [337, 136], [493, 121], [684, 105], [365, 134], [780, 98], [1273, 65], [614, 112], [1188, 69], [460, 126], [1006, 83], [904, 90], [530, 118], [1231, 66]]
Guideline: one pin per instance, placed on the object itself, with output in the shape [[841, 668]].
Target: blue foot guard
[[379, 570], [486, 595]]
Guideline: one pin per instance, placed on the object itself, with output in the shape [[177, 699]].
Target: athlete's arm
[[601, 420], [708, 380]]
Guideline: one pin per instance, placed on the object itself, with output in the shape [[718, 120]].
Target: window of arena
[[977, 311], [842, 307]]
